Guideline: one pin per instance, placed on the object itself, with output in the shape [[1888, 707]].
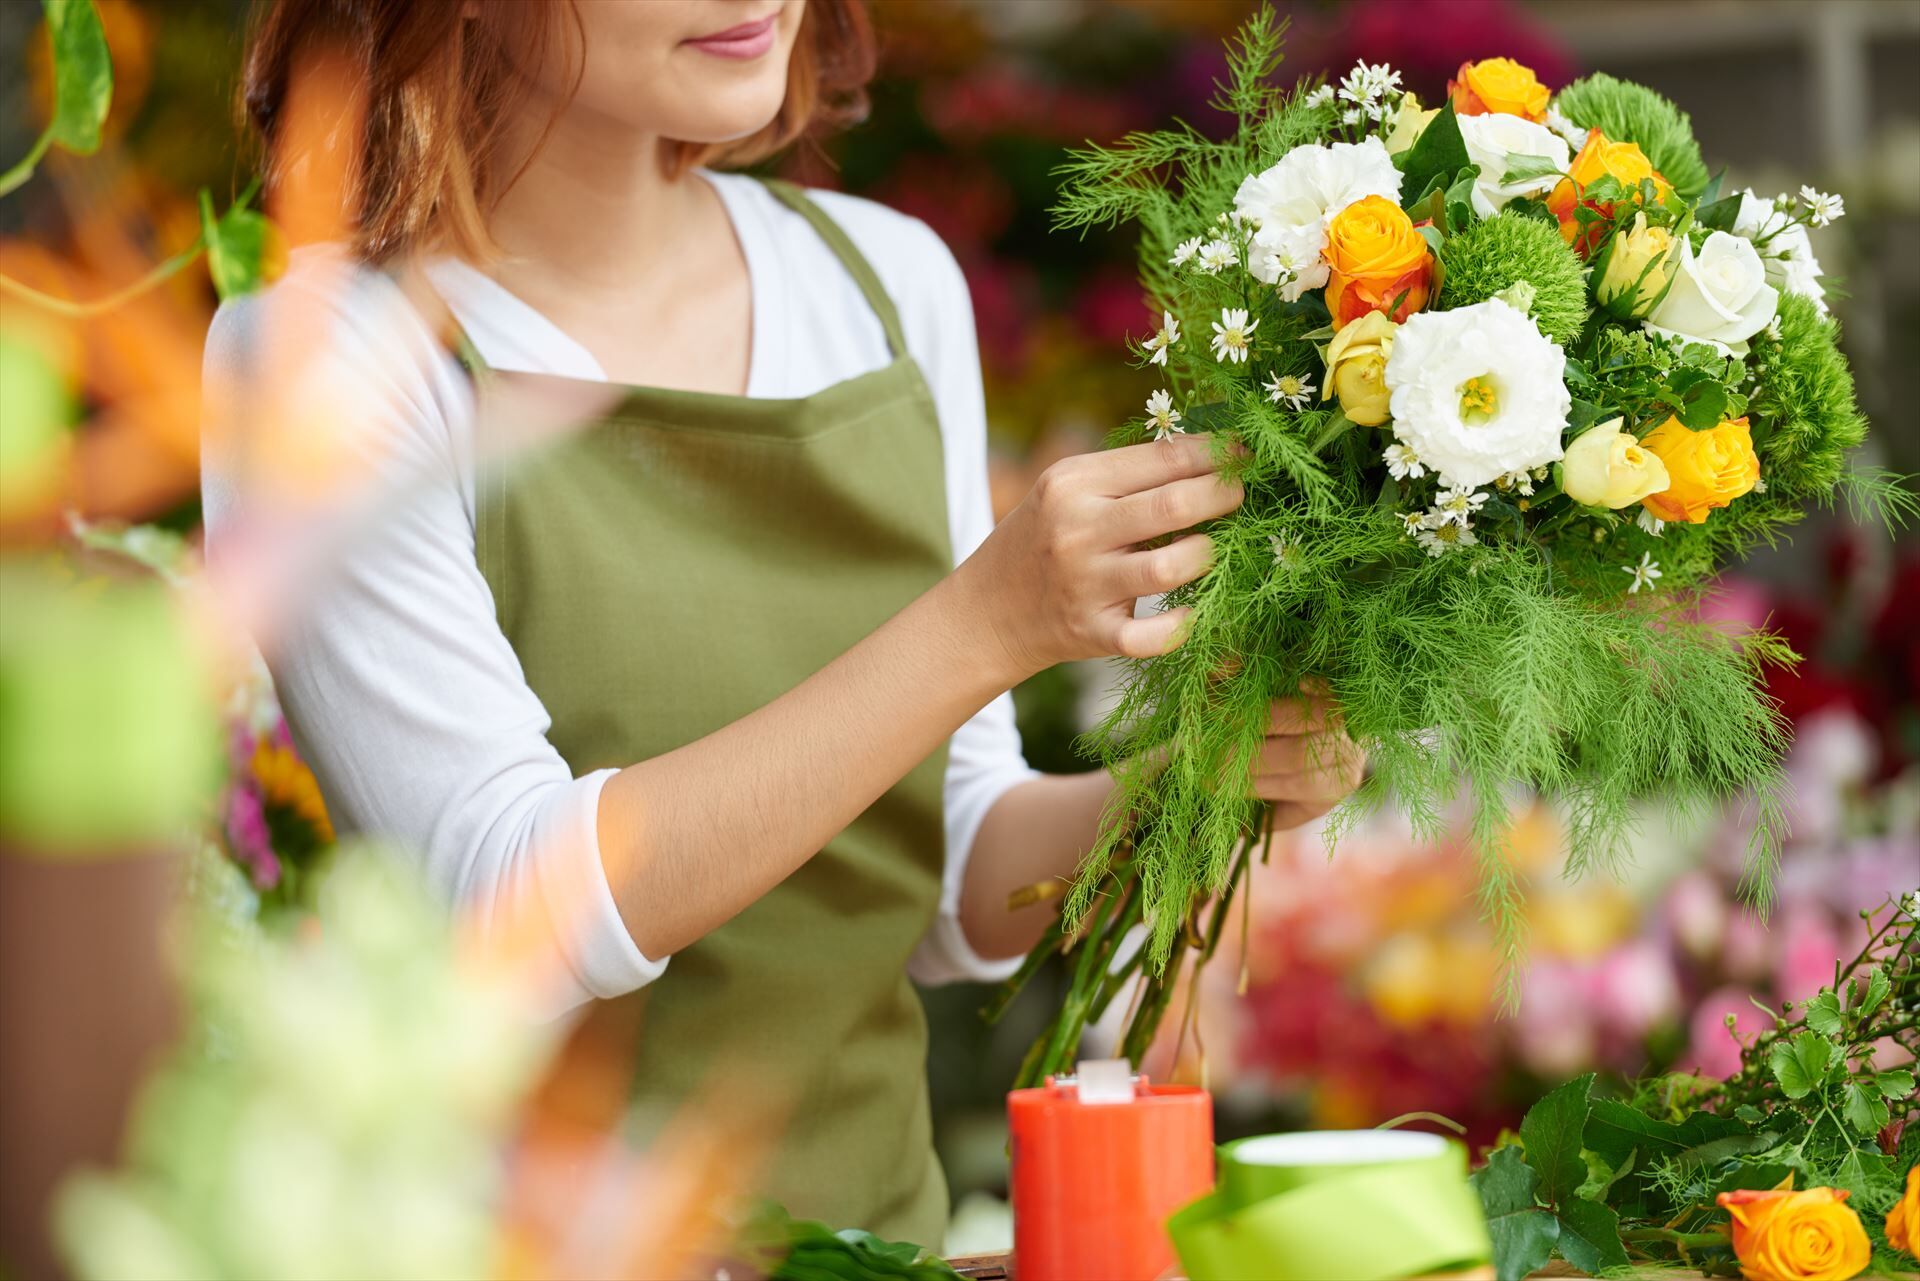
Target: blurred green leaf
[[82, 74], [109, 740], [241, 246], [34, 414]]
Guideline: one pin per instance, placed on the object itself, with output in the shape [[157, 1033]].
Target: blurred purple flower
[[1809, 945], [249, 839], [1634, 989], [1553, 1031], [1696, 913], [1713, 1051]]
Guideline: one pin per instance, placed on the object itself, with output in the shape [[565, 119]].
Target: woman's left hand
[[1307, 765]]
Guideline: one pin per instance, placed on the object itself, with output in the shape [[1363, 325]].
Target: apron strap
[[851, 258]]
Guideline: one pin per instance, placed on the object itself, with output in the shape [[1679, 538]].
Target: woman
[[718, 680]]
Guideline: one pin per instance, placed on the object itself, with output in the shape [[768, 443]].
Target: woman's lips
[[748, 40]]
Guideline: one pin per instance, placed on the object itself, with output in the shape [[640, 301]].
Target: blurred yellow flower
[[285, 780]]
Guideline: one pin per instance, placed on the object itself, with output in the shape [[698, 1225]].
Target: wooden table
[[999, 1267]]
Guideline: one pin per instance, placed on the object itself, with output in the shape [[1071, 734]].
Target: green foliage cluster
[[1463, 676], [1506, 249], [1606, 1182], [1627, 112], [1805, 404], [782, 1248]]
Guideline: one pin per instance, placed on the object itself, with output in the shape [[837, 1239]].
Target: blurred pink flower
[[1553, 1031], [1736, 605], [1809, 946], [1713, 1051], [1748, 949], [1634, 989], [1696, 913], [247, 835]]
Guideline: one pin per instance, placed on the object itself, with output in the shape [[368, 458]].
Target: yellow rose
[[1601, 157], [1705, 469], [1903, 1221], [1357, 368], [1376, 257], [1498, 86], [1636, 267], [1408, 124], [1606, 467], [1783, 1235]]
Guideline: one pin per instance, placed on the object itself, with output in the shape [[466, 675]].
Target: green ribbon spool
[[1359, 1205]]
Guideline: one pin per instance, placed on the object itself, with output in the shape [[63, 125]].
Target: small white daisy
[[1520, 482], [1822, 208], [1541, 472], [1185, 252], [1217, 255], [1367, 88], [1414, 522], [1286, 553], [1166, 337], [1457, 505], [1574, 135], [1162, 416], [1772, 331], [1402, 462], [1445, 537], [1650, 522], [1233, 335], [1320, 97], [1295, 391], [1352, 116], [1759, 484], [1645, 574]]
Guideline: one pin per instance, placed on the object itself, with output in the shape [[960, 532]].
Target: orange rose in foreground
[[1903, 1221], [1600, 158], [1498, 86], [1376, 256], [1783, 1235], [1705, 469]]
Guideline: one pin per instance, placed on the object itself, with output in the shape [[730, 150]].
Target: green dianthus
[[1633, 113], [1804, 406], [1506, 249]]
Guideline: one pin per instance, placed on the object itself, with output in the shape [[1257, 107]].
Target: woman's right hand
[[1058, 578]]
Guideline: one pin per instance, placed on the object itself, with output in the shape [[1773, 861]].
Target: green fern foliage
[[1633, 113], [1507, 249], [1804, 407]]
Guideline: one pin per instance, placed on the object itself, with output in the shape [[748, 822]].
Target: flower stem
[[22, 171], [83, 310]]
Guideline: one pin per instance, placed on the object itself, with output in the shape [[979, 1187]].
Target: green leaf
[[1750, 1114], [1440, 153], [240, 244], [82, 74], [1897, 1084], [1864, 1109], [1459, 199], [1600, 1176], [1523, 1235], [1615, 1130], [1698, 399], [1878, 985], [1590, 1236], [1719, 215], [1552, 1133], [1800, 1065], [1823, 1013], [1522, 168], [1868, 1176], [35, 414]]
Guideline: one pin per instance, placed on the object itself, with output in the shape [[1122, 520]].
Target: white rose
[[1495, 141], [1291, 203], [1719, 296], [1478, 392], [1787, 252]]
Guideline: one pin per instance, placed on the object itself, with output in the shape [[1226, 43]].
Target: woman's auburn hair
[[439, 79]]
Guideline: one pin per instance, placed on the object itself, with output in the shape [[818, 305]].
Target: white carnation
[[1292, 202], [1477, 392], [1719, 296], [1495, 141], [1786, 252]]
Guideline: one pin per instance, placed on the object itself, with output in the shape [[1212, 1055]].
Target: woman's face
[[700, 71]]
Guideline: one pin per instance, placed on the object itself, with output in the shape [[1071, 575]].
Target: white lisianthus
[[1292, 202], [1784, 247], [1719, 296], [1477, 392], [1496, 141]]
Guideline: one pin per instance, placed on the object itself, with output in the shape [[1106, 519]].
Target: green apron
[[673, 567]]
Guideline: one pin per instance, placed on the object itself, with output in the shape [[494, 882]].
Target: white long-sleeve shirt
[[399, 686]]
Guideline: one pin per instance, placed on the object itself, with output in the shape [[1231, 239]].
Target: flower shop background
[[1371, 987]]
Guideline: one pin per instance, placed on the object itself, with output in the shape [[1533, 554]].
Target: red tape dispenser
[[1100, 1159]]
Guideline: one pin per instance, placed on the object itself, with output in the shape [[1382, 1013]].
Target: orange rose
[[1375, 256], [1705, 469], [1903, 1221], [1498, 86], [1601, 157], [1783, 1235]]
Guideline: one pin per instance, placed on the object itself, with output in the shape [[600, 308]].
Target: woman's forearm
[[693, 836], [1038, 831]]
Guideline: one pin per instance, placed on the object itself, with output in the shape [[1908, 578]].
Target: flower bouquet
[[1505, 379]]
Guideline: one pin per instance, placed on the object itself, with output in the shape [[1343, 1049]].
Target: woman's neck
[[641, 268]]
